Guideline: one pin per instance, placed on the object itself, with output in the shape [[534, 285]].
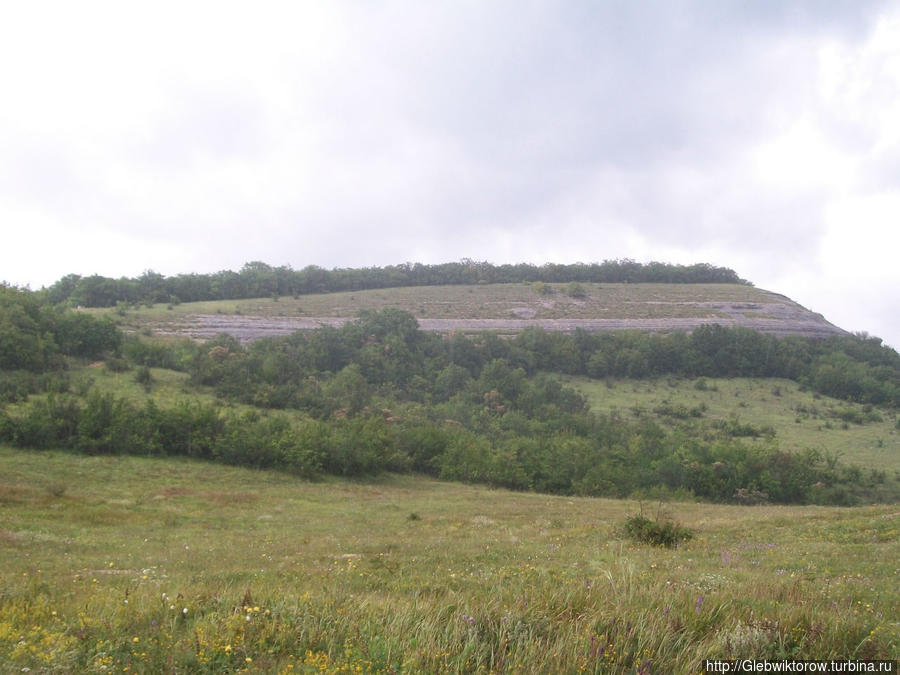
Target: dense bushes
[[18, 385], [105, 424], [35, 337], [393, 355], [560, 452]]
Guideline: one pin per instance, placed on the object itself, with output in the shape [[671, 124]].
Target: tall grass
[[163, 566]]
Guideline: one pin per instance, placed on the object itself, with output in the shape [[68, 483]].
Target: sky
[[182, 137]]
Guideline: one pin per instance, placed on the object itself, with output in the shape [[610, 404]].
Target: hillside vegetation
[[379, 394], [766, 409]]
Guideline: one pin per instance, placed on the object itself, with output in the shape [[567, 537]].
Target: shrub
[[144, 377], [657, 532], [17, 385], [575, 290]]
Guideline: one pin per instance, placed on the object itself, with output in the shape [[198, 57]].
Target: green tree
[[25, 342]]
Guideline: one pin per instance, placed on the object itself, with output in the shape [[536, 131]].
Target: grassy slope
[[167, 388], [801, 419], [492, 301], [100, 557]]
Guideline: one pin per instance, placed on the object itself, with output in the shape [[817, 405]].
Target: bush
[[48, 422], [144, 377], [575, 290], [158, 354], [17, 385], [656, 532], [83, 335]]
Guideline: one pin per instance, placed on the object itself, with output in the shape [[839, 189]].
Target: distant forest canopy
[[257, 279]]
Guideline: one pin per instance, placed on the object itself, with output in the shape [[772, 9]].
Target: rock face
[[659, 312]]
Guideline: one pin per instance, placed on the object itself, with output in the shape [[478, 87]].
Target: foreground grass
[[138, 565]]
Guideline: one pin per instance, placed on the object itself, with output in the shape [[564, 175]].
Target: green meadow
[[798, 418], [128, 564]]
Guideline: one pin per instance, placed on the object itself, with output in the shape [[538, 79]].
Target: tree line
[[36, 336], [257, 279], [386, 349], [547, 449]]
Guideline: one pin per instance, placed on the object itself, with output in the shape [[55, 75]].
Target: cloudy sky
[[197, 136]]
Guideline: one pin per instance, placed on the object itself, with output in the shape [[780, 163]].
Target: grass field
[[124, 564], [800, 418], [167, 386]]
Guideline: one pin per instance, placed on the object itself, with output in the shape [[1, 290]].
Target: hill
[[505, 308], [378, 393]]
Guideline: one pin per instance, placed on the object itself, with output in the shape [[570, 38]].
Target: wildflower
[[135, 639], [699, 603], [184, 611]]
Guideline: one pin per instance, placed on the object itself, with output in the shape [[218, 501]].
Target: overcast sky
[[195, 137]]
